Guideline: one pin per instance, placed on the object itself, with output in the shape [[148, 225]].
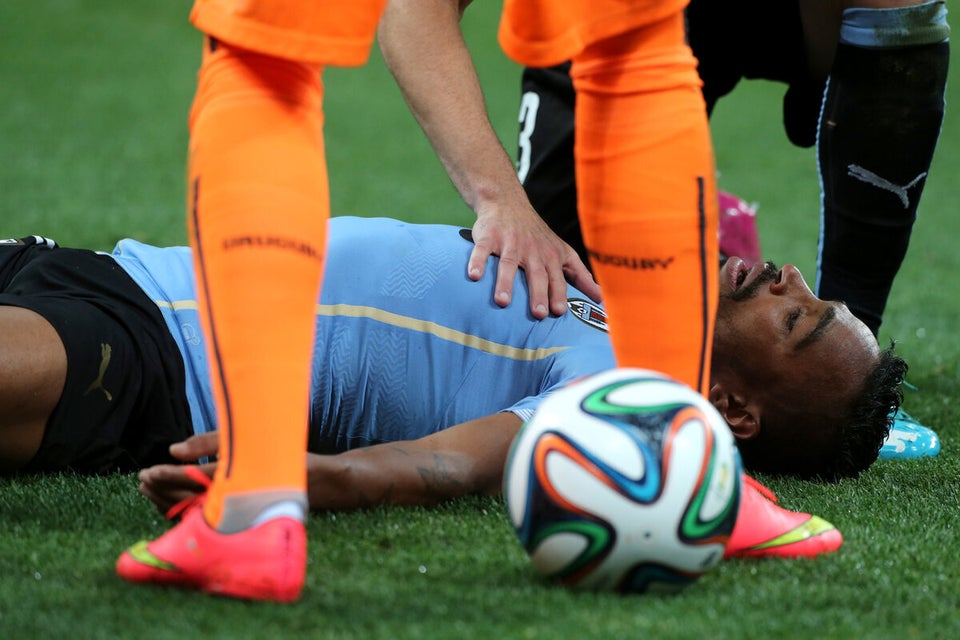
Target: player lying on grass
[[418, 377]]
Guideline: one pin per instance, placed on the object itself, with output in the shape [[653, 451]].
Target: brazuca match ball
[[626, 480]]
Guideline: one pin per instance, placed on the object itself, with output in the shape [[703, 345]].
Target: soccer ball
[[626, 480]]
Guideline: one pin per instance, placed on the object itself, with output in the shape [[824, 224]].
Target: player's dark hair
[[852, 437]]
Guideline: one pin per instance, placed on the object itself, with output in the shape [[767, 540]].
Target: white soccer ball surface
[[626, 480]]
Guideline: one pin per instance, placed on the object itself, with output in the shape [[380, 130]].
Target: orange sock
[[647, 198], [258, 206]]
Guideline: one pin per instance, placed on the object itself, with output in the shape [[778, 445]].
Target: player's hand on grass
[[167, 484], [524, 241]]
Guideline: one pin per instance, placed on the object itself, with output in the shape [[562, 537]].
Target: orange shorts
[[542, 33], [327, 32]]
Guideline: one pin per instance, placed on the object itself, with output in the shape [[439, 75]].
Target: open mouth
[[736, 274], [742, 272], [741, 276]]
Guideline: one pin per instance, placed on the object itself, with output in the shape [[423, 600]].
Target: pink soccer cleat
[[764, 529], [265, 562]]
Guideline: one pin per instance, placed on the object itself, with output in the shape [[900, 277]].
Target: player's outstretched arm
[[424, 48], [462, 460]]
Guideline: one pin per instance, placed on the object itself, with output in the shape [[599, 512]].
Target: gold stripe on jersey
[[177, 305], [434, 329], [406, 322]]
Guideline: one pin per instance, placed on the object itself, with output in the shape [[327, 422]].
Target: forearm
[[465, 459], [392, 474], [424, 48]]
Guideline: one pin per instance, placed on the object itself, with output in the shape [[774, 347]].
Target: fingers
[[161, 501], [557, 284], [506, 273], [204, 445], [577, 274], [166, 484], [484, 247], [160, 484], [547, 261], [478, 261]]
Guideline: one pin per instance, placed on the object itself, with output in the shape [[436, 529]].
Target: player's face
[[778, 337]]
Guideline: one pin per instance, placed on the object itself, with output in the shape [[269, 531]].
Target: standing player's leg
[[878, 130], [647, 197], [648, 207], [879, 126], [257, 216], [258, 206]]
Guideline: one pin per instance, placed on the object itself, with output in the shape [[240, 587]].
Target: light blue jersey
[[406, 343]]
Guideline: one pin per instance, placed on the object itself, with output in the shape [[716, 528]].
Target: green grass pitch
[[95, 95]]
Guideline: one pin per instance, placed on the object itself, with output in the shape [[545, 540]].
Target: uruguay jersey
[[406, 344]]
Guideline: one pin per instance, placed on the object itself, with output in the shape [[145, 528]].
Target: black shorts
[[732, 39], [753, 39], [124, 400]]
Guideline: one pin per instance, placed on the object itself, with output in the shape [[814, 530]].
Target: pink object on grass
[[738, 229]]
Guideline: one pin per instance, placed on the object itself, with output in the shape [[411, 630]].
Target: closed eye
[[792, 319]]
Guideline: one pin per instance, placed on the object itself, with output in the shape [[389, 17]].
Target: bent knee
[[33, 367]]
